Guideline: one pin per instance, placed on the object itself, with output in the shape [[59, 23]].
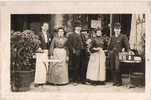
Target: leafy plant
[[23, 47]]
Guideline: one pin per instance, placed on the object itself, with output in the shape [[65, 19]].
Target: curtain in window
[[137, 34]]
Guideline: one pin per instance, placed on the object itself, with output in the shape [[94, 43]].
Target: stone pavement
[[108, 87], [86, 88]]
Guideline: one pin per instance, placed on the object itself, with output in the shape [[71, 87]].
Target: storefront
[[20, 22]]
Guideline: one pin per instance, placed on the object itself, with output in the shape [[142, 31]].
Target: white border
[[8, 8]]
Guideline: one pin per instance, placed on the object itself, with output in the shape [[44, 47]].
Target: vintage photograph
[[77, 52]]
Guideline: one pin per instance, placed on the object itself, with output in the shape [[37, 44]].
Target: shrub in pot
[[23, 47]]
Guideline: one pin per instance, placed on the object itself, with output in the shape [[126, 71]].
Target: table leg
[[130, 73]]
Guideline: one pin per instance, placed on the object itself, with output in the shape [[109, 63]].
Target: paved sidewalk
[[86, 88]]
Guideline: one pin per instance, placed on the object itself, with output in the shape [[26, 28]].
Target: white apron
[[41, 67], [96, 66]]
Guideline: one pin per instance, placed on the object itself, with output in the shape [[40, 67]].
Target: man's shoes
[[114, 84], [117, 84], [87, 83], [83, 82]]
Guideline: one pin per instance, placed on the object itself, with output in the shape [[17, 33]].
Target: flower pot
[[22, 80]]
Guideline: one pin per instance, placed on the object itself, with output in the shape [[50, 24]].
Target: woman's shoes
[[119, 84], [53, 84], [38, 85], [95, 83], [75, 84]]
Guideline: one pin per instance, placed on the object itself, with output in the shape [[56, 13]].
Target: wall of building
[[21, 22]]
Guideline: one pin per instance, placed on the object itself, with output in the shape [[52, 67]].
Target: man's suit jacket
[[43, 44], [75, 42], [117, 43]]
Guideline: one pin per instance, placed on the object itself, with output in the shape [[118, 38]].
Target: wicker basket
[[138, 79]]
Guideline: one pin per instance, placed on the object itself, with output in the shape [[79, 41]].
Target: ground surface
[[87, 88]]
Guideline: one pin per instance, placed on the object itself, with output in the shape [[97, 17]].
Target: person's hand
[[96, 48], [39, 50], [67, 58], [73, 51], [105, 50], [88, 41], [51, 57]]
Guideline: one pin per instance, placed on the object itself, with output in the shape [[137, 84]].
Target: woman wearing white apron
[[58, 71], [96, 66], [42, 57]]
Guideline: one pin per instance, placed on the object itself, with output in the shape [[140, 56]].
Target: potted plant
[[23, 47]]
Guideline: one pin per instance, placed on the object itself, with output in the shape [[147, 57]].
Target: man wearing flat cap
[[117, 43], [84, 54]]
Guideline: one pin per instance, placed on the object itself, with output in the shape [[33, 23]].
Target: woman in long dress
[[96, 66], [58, 71]]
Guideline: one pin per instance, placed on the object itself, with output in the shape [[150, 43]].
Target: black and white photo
[[101, 51]]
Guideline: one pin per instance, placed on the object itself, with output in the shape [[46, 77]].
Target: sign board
[[95, 24]]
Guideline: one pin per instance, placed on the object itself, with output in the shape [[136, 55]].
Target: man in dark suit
[[44, 36], [84, 55], [75, 45], [117, 43]]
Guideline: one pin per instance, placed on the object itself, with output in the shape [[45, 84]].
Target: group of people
[[78, 56]]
